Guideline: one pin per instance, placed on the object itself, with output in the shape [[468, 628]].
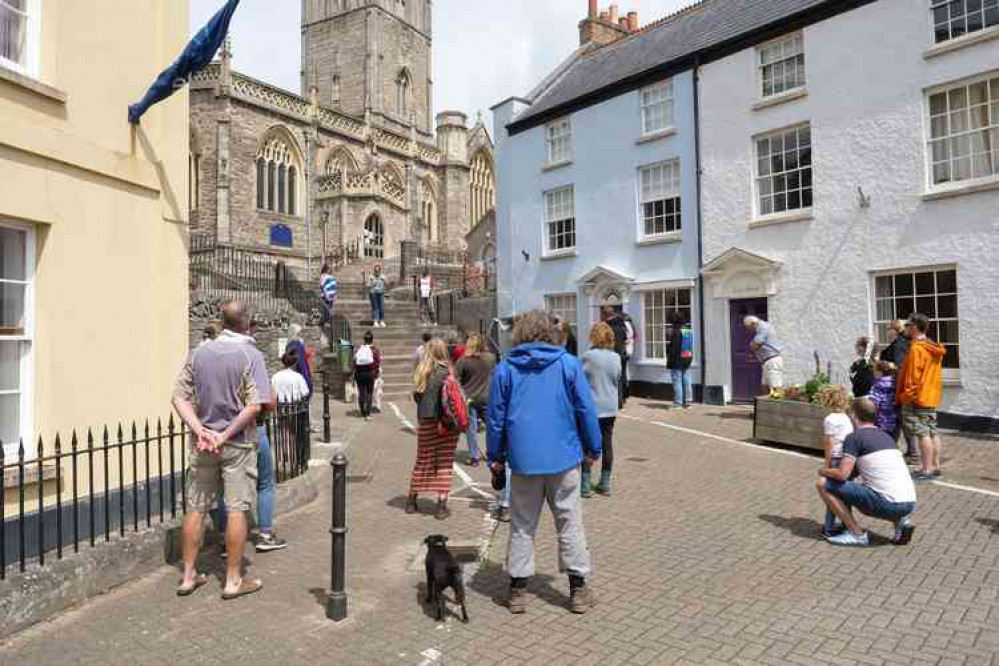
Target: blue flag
[[195, 57]]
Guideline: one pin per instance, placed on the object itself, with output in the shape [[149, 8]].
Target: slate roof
[[705, 27]]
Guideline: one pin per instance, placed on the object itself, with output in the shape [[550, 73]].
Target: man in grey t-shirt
[[219, 394], [767, 350]]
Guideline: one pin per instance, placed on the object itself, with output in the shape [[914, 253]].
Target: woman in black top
[[862, 370]]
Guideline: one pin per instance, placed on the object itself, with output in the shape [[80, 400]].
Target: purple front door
[[747, 374]]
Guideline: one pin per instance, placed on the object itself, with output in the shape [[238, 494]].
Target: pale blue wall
[[606, 159]]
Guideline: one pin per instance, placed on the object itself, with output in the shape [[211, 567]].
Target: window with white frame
[[782, 65], [19, 39], [784, 171], [928, 291], [560, 220], [558, 141], [660, 306], [657, 107], [660, 198], [562, 306], [956, 18], [964, 132], [16, 274]]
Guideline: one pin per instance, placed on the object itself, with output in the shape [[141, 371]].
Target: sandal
[[246, 587], [442, 511], [200, 580], [411, 504]]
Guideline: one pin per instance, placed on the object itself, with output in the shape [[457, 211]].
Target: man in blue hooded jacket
[[542, 422]]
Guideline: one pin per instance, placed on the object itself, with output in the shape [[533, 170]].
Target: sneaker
[[517, 601], [580, 600], [850, 539], [268, 542], [920, 476], [936, 473], [474, 462], [904, 530], [502, 514], [834, 531]]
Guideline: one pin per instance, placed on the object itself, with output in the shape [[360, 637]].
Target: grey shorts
[[232, 472], [919, 421]]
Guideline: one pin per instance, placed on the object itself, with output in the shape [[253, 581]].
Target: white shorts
[[773, 372]]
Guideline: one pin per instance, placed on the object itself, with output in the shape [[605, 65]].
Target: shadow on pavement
[[806, 528], [321, 596], [491, 581], [742, 415], [989, 522]]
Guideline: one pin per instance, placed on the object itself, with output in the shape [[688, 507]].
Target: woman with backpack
[[367, 365], [679, 359], [437, 437]]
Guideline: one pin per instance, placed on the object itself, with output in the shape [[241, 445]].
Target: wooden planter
[[789, 422]]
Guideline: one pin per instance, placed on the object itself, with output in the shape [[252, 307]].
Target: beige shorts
[[919, 421], [773, 372], [232, 472]]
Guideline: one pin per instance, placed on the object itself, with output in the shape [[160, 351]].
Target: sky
[[484, 50]]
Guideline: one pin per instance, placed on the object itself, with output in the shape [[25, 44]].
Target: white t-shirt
[[838, 427], [289, 386]]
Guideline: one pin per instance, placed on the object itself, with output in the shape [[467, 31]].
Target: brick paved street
[[706, 553]]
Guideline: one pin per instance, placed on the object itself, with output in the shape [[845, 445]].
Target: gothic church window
[[277, 178], [402, 93], [483, 193]]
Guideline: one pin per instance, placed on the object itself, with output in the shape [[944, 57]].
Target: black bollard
[[336, 606], [327, 436]]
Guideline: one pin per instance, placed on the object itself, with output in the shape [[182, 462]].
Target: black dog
[[443, 572]]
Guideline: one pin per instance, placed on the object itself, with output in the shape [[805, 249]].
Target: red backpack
[[454, 408]]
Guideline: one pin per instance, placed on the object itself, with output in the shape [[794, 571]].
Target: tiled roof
[[704, 26]]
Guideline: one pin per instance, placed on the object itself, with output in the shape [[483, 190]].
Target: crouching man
[[883, 490]]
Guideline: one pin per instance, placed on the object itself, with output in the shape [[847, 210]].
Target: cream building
[[93, 217]]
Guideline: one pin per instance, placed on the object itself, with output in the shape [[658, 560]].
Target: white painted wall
[[866, 75], [604, 172]]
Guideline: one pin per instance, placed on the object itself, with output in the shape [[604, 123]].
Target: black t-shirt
[[861, 377]]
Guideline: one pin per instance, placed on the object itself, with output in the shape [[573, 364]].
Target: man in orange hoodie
[[919, 389]]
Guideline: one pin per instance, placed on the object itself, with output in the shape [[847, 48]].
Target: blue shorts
[[869, 502]]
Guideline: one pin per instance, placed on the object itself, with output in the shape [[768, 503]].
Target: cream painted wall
[[109, 207]]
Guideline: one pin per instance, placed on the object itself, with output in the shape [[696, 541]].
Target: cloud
[[484, 50]]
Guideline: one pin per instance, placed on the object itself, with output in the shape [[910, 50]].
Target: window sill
[[10, 473], [555, 256], [656, 136], [952, 382], [660, 363], [782, 98], [961, 42], [663, 239], [283, 216], [556, 165], [782, 218], [16, 78], [969, 187]]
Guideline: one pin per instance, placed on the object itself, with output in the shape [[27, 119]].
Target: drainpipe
[[700, 227]]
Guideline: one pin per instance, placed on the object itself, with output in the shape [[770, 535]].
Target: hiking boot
[[517, 601], [904, 530], [586, 486], [268, 541], [580, 600], [850, 539], [411, 504], [604, 487], [442, 512]]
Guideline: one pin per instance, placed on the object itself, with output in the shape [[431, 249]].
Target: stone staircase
[[397, 341]]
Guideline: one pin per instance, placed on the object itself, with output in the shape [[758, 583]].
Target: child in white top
[[836, 427], [288, 385]]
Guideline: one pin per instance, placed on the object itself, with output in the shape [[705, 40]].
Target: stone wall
[[268, 336]]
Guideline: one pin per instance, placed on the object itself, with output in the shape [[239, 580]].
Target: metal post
[[336, 607], [327, 437]]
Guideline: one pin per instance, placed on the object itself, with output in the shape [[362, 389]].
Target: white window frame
[[950, 374], [549, 220], [991, 106], [781, 42], [32, 43], [667, 102], [758, 177], [555, 131], [646, 339], [559, 305], [27, 369], [994, 26], [673, 190]]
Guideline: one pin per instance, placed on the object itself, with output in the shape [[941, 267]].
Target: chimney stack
[[603, 16], [633, 21], [612, 17], [624, 23], [605, 26], [593, 10]]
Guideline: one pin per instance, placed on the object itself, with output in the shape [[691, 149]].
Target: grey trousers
[[528, 495]]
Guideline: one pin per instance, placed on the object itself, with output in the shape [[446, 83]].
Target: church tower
[[371, 57]]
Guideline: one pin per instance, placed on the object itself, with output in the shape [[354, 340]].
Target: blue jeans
[[476, 413], [377, 305], [266, 486], [683, 391], [869, 502]]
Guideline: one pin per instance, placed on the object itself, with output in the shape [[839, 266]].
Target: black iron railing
[[101, 483]]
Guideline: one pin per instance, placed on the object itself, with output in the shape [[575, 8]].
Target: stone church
[[353, 166]]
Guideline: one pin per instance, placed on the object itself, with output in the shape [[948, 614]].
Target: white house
[[851, 176], [596, 191]]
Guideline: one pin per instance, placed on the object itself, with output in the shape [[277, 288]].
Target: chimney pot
[[593, 9], [633, 21], [624, 23], [612, 17]]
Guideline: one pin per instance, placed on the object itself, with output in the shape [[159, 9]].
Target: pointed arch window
[[402, 84], [277, 177], [482, 185], [374, 238]]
